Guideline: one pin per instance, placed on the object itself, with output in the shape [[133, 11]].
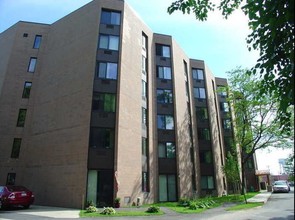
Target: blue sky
[[220, 43]]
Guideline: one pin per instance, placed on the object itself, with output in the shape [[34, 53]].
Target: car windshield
[[280, 183], [16, 188]]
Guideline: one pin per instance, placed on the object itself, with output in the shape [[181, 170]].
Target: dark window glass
[[206, 157], [27, 90], [164, 72], [164, 96], [226, 124], [202, 113], [145, 182], [167, 188], [166, 150], [165, 122], [107, 70], [105, 102], [37, 41], [199, 93], [224, 106], [204, 134], [102, 137], [144, 116], [207, 182], [110, 17], [21, 117], [16, 147], [10, 179], [109, 42], [163, 50], [32, 64], [198, 74]]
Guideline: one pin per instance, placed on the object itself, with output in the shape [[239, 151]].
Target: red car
[[15, 196]]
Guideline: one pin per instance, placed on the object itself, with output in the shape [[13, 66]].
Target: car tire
[[26, 206]]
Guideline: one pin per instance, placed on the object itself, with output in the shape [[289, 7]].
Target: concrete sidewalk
[[263, 196], [46, 212]]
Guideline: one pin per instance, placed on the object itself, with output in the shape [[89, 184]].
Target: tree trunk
[[243, 188]]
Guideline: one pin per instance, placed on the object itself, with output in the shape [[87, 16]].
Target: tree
[[289, 167], [231, 171], [272, 25], [255, 123]]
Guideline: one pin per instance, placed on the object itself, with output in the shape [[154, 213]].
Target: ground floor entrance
[[100, 187]]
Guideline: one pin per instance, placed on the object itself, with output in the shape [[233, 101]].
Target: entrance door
[[100, 187]]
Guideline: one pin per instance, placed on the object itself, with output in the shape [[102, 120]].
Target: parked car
[[15, 196], [281, 186]]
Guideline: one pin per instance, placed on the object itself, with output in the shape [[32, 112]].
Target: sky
[[220, 43]]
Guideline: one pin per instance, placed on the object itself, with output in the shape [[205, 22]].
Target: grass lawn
[[218, 201], [83, 213], [245, 206]]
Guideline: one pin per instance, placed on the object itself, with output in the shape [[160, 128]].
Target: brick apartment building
[[97, 106]]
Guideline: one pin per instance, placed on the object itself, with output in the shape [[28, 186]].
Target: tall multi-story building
[[97, 106]]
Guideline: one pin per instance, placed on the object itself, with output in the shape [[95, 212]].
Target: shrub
[[91, 208], [153, 209], [193, 206], [184, 202], [89, 203], [108, 211]]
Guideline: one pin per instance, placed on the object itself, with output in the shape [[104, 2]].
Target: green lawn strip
[[245, 206], [180, 209], [83, 213]]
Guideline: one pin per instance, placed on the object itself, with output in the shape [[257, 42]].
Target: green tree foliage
[[231, 170], [256, 126], [289, 166], [272, 25]]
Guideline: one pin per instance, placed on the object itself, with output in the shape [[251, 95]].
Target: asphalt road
[[280, 206]]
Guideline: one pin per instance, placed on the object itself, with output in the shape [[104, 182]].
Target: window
[[37, 41], [166, 150], [107, 70], [27, 90], [145, 182], [165, 122], [207, 182], [102, 137], [16, 147], [198, 74], [185, 68], [164, 72], [144, 116], [144, 41], [221, 90], [21, 118], [229, 143], [143, 64], [144, 151], [163, 50], [206, 157], [10, 179], [105, 102], [227, 124], [110, 17], [199, 93], [143, 88], [32, 64], [164, 96], [202, 113], [204, 134], [109, 42], [167, 188], [224, 106]]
